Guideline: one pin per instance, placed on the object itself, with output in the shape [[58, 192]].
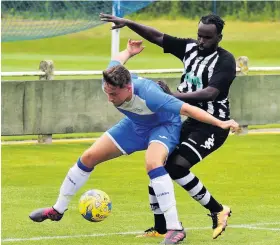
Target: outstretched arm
[[206, 94], [203, 116], [149, 33], [133, 47]]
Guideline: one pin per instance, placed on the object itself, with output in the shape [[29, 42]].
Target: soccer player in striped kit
[[209, 71]]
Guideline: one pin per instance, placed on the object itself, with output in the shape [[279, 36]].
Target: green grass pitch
[[243, 174]]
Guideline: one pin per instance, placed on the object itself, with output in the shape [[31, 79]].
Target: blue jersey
[[150, 106]]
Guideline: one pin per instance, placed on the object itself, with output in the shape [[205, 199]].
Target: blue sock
[[157, 172], [83, 167]]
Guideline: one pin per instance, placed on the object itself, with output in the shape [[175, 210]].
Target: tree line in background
[[40, 10], [233, 10]]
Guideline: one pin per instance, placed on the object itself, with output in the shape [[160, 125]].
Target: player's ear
[[129, 87], [220, 37]]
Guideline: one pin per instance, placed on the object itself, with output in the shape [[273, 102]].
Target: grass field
[[244, 174], [90, 50]]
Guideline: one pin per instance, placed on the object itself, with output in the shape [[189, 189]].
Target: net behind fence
[[27, 20]]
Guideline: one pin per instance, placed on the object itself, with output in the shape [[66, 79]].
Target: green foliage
[[243, 10], [234, 10], [38, 10]]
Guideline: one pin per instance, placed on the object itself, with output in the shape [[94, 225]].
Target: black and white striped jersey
[[215, 70]]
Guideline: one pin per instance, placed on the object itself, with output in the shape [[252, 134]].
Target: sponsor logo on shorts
[[163, 137], [209, 143]]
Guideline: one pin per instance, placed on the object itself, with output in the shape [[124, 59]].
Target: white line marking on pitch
[[244, 226]]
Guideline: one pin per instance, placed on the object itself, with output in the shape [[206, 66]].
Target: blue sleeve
[[113, 63], [158, 101]]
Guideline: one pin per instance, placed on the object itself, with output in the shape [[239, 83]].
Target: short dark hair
[[117, 76], [213, 19]]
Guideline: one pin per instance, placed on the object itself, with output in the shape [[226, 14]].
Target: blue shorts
[[129, 137]]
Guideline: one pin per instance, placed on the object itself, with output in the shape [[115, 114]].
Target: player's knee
[[89, 158], [177, 166], [152, 164], [182, 162], [175, 171]]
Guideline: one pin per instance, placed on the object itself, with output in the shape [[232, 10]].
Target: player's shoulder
[[190, 40], [142, 85], [225, 54], [179, 39]]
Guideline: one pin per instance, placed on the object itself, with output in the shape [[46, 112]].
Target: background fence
[[68, 106]]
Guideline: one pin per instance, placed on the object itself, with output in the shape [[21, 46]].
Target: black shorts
[[198, 140]]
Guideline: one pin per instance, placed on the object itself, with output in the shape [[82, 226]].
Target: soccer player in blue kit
[[152, 122]]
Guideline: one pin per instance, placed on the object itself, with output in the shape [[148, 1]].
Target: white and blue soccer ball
[[95, 205]]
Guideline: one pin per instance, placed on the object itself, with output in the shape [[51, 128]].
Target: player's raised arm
[[133, 47], [203, 116], [149, 33]]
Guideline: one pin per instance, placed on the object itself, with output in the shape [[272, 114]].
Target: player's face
[[208, 39], [117, 95]]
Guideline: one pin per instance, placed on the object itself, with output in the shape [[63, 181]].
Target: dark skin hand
[[149, 33], [206, 94]]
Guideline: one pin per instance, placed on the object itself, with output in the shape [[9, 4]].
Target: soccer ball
[[95, 205]]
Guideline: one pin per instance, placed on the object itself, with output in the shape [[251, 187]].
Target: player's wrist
[[219, 123], [128, 53], [128, 22]]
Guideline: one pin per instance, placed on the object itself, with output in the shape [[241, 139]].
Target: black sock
[[214, 206], [160, 223]]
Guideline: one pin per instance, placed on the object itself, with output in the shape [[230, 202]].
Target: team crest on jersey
[[191, 79]]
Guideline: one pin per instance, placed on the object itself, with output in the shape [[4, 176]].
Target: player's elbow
[[212, 97], [211, 93], [158, 40], [185, 109]]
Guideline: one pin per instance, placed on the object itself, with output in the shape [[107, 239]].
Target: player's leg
[[102, 150], [110, 145], [178, 165], [201, 142], [159, 229], [162, 141], [178, 168]]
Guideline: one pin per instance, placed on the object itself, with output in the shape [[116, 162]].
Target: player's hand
[[164, 87], [119, 22], [230, 124], [134, 47]]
